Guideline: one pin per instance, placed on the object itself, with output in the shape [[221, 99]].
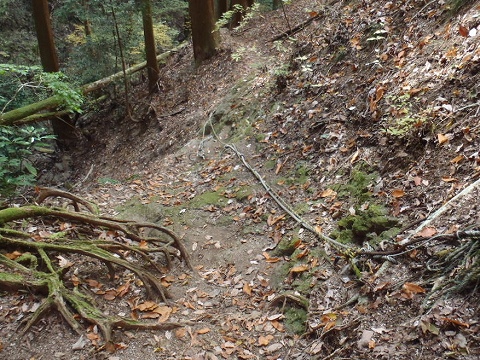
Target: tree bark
[[221, 7], [238, 16], [150, 50], [205, 39], [46, 45], [276, 4], [62, 127]]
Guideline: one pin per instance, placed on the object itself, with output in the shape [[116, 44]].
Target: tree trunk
[[276, 4], [62, 127], [205, 39], [150, 50], [46, 45], [238, 16], [221, 7]]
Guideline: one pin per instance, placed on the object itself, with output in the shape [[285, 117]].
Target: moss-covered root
[[64, 300]]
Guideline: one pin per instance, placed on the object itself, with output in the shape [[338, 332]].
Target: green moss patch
[[296, 320]]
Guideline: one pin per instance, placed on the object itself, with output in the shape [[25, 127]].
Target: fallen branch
[[286, 207], [448, 205], [296, 29]]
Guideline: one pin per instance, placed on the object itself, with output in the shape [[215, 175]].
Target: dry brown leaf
[[110, 294], [13, 255], [180, 333], [428, 232], [398, 193], [327, 193], [413, 288], [449, 179], [299, 269], [150, 315], [462, 30], [442, 139], [456, 322], [264, 340], [164, 312], [278, 168], [270, 259], [146, 306], [272, 220], [123, 289], [457, 159], [355, 157], [203, 331], [247, 289]]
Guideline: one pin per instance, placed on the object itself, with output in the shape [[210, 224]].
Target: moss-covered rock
[[366, 225]]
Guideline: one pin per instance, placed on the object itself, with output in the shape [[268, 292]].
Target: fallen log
[[14, 116]]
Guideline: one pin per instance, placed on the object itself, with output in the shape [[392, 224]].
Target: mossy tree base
[[32, 264]]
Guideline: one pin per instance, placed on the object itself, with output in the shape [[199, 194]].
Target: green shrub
[[17, 145]]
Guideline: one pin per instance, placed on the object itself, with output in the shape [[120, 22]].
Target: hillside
[[364, 122]]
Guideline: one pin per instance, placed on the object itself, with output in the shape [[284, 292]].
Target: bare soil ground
[[388, 89]]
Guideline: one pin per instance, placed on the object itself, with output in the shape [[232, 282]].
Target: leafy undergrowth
[[388, 90]]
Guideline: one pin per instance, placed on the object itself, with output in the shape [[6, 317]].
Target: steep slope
[[365, 121]]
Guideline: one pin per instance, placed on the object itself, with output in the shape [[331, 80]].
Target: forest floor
[[365, 121]]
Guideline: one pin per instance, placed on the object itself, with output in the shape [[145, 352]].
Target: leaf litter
[[362, 89]]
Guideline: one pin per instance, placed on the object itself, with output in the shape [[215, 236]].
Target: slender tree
[[221, 7], [237, 17], [276, 4], [150, 49], [205, 39], [62, 127], [43, 27]]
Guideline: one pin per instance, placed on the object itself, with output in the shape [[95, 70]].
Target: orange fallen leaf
[[327, 193], [164, 312], [428, 232], [449, 179], [146, 306], [413, 288], [180, 333], [13, 255], [247, 289], [457, 159], [398, 193], [272, 220], [278, 168], [270, 259], [264, 340], [456, 322], [123, 289], [110, 294], [442, 139], [462, 30], [203, 331], [299, 269]]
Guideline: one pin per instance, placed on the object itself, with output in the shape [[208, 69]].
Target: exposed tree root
[[28, 261]]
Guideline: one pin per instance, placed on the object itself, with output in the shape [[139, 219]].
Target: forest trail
[[311, 116]]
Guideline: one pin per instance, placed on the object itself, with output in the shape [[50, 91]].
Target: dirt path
[[308, 121]]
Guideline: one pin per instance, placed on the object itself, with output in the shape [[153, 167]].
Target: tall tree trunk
[[237, 17], [205, 39], [62, 127], [276, 4], [46, 45], [150, 49], [221, 7]]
